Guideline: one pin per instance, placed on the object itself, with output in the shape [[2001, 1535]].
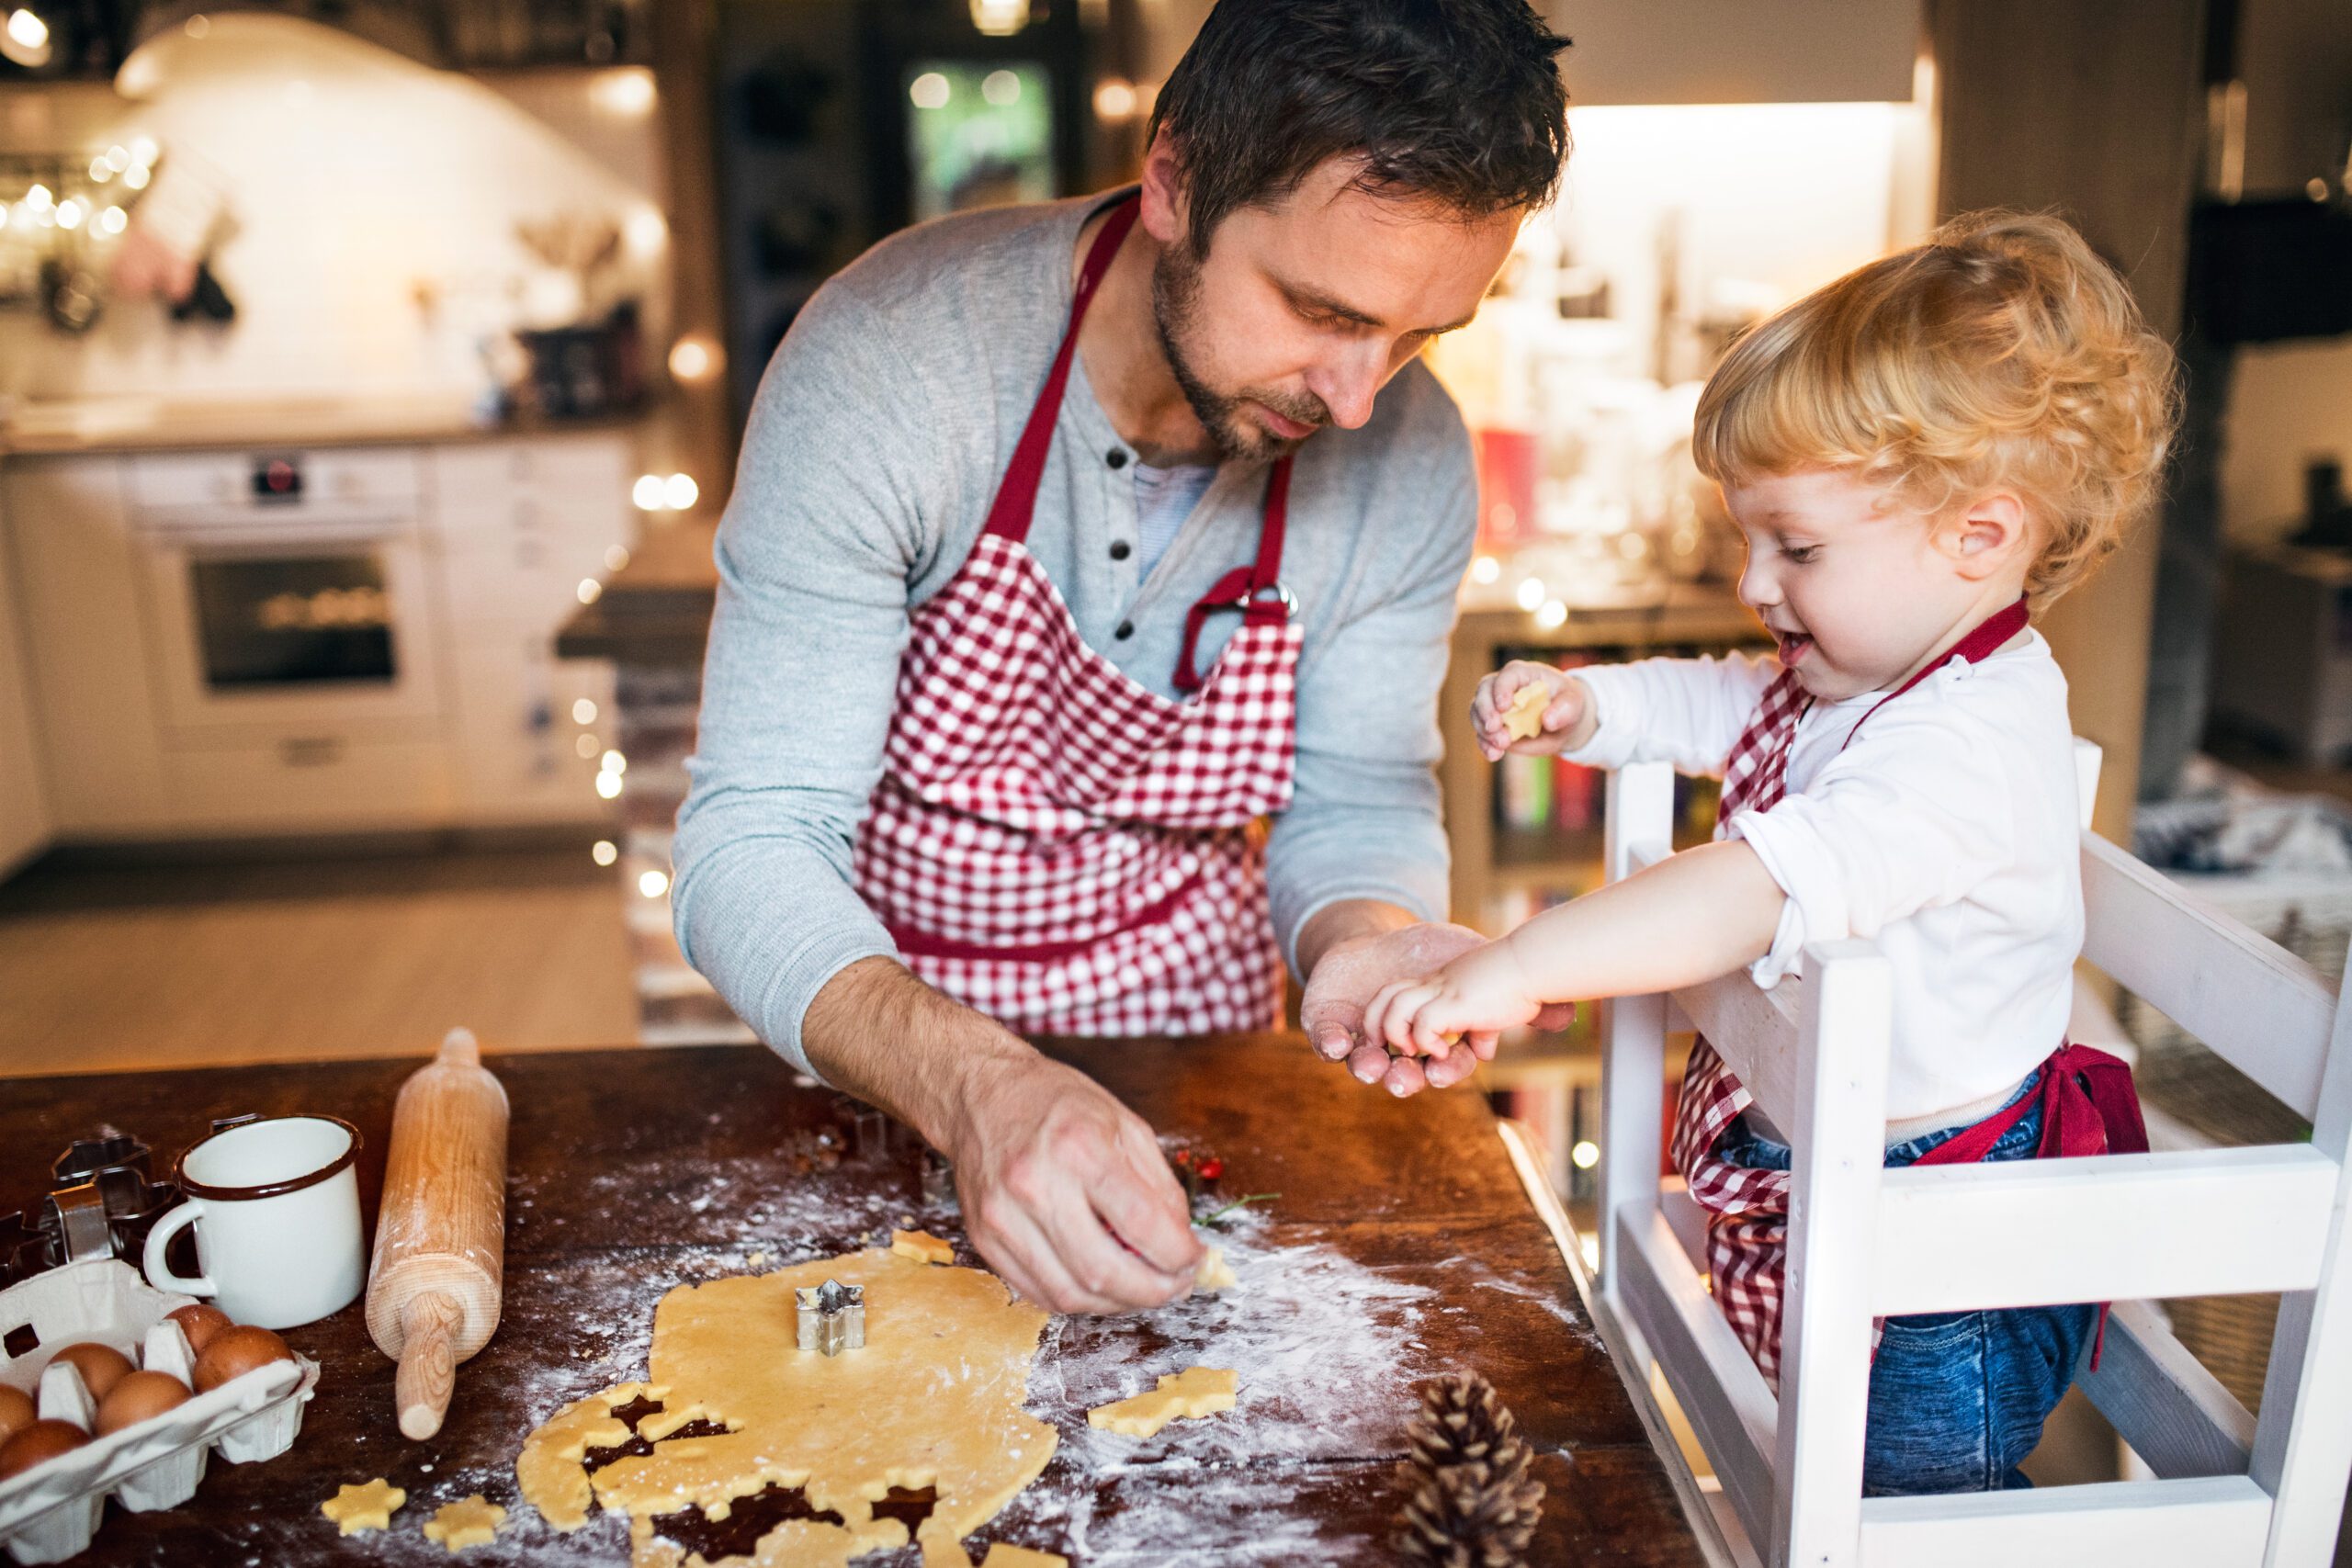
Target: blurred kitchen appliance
[[2282, 646], [288, 596], [258, 642]]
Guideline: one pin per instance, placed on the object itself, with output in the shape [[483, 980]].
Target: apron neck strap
[[1016, 495], [1255, 590], [1982, 641]]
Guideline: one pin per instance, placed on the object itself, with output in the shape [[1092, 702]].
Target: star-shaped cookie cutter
[[833, 1317]]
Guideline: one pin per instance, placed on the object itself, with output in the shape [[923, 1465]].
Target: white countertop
[[155, 424]]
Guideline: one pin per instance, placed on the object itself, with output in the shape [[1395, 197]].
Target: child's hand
[[1481, 992], [1562, 718]]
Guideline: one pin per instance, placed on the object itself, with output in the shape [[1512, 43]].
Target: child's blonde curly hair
[[2002, 353]]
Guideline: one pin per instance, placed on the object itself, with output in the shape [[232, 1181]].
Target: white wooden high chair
[[1866, 1241]]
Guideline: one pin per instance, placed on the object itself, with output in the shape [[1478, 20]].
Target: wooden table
[[1403, 1246]]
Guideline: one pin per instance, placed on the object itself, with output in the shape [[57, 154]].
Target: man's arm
[[1055, 1174], [838, 502]]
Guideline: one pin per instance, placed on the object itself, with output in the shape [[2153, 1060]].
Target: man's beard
[[1175, 311]]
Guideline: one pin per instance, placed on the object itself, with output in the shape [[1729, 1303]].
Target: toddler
[[1920, 455]]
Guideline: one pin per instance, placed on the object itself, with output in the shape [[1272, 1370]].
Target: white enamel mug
[[275, 1205]]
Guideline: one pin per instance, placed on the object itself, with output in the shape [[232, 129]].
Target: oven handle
[[241, 536]]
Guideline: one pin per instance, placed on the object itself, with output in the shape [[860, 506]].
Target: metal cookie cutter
[[102, 1203], [938, 1179], [833, 1317]]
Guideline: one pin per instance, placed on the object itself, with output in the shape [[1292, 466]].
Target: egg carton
[[51, 1511]]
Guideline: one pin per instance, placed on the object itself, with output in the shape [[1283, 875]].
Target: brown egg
[[235, 1351], [41, 1440], [200, 1322], [102, 1366], [16, 1411], [138, 1396]]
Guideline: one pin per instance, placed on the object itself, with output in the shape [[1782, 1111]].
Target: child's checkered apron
[[1051, 842]]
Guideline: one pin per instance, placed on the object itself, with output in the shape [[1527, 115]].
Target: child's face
[[1850, 582]]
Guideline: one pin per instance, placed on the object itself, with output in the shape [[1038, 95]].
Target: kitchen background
[[370, 375]]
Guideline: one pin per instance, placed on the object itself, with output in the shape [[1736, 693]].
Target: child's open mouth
[[1794, 648]]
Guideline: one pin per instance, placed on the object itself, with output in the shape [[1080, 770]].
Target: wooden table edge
[[1698, 1511]]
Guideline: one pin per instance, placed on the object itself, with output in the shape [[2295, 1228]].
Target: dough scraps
[[1215, 1273], [1524, 718], [365, 1507], [933, 1399], [1002, 1556], [473, 1522], [1196, 1390], [921, 1245], [549, 1469]]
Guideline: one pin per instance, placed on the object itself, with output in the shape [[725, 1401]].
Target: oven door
[[327, 625]]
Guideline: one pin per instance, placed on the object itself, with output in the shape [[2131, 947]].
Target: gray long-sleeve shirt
[[873, 451]]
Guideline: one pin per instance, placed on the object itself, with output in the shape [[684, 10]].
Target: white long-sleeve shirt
[[1947, 832]]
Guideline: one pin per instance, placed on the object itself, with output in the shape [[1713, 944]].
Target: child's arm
[[1692, 917], [1687, 712]]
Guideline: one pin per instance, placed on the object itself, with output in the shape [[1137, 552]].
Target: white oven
[[288, 596]]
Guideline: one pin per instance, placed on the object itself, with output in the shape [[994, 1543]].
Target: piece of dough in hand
[[1524, 718], [1195, 1392], [1215, 1273]]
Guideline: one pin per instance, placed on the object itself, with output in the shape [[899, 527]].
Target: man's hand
[[1484, 991], [1348, 972], [1065, 1194], [1065, 1190]]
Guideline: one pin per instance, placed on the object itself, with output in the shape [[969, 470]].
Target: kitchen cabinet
[[25, 822], [1739, 52], [261, 641]]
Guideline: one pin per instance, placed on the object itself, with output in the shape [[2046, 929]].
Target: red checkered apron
[[2088, 1104], [1051, 842]]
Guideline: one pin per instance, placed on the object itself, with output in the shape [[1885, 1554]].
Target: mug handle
[[159, 1273]]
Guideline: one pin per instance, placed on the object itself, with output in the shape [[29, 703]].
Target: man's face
[[1305, 307]]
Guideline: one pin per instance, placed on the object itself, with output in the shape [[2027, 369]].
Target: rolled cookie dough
[[1196, 1390], [933, 1399]]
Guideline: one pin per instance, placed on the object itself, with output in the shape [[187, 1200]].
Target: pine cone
[[1472, 1505]]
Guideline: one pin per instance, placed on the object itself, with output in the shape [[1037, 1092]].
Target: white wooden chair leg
[[1839, 1143], [2302, 1441], [1640, 815]]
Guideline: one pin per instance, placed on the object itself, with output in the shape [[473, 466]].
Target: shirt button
[[1126, 629], [1115, 458], [1121, 549]]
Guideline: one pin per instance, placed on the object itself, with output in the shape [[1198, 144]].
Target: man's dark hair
[[1456, 100]]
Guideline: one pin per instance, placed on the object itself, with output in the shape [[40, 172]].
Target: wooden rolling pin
[[433, 1288]]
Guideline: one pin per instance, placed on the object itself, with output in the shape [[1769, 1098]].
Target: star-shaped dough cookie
[[367, 1507], [1196, 1390], [1524, 718], [921, 1245], [473, 1522]]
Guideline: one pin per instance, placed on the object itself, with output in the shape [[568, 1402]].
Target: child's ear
[[1986, 534]]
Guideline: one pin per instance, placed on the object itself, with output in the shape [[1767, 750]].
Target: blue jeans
[[1957, 1398]]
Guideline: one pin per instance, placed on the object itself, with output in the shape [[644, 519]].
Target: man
[[1069, 545]]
